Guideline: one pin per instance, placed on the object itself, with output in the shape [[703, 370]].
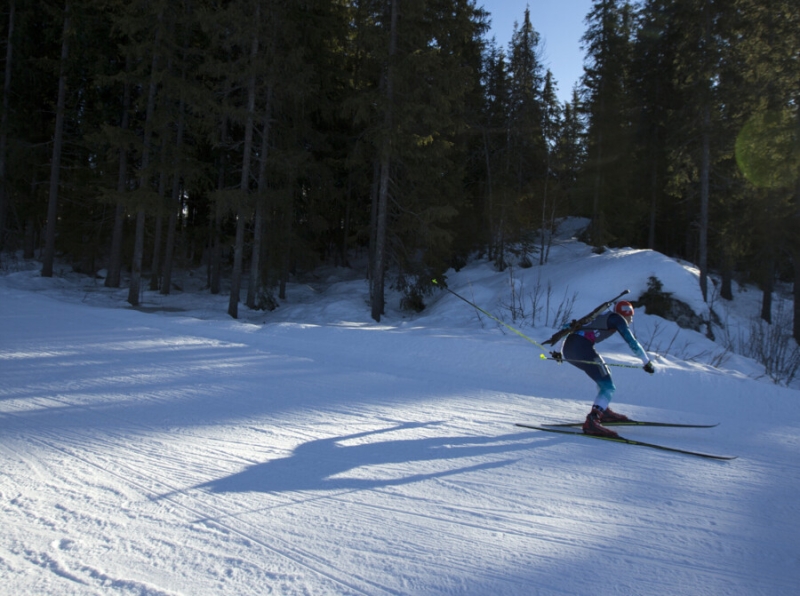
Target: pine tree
[[570, 150], [766, 146], [381, 206], [528, 146], [606, 84], [58, 140], [4, 109], [122, 148], [145, 173], [652, 79], [247, 150], [699, 52], [427, 70], [496, 127], [552, 191]]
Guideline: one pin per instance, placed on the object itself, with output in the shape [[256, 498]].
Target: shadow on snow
[[329, 464]]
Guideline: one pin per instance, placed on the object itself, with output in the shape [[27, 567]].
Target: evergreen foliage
[[262, 137]]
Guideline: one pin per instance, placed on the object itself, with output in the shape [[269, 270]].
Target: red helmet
[[624, 308]]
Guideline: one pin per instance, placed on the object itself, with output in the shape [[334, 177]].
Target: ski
[[576, 324], [637, 423], [628, 441]]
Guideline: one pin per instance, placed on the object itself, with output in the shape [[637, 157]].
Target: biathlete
[[579, 350]]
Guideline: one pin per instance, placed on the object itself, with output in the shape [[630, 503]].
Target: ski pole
[[618, 364], [543, 355]]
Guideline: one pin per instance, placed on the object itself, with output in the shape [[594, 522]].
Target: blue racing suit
[[579, 351]]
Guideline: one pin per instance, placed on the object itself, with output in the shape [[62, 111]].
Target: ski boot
[[592, 425], [610, 416]]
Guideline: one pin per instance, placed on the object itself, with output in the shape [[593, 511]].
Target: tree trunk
[[244, 185], [155, 264], [344, 259], [255, 260], [169, 249], [768, 287], [654, 190], [286, 248], [379, 265], [115, 258], [55, 163], [796, 241], [768, 260], [489, 193], [705, 171], [373, 220], [597, 231], [175, 199], [29, 239], [547, 227], [726, 285], [796, 308], [255, 256], [138, 251], [215, 266], [236, 276], [138, 257], [4, 124]]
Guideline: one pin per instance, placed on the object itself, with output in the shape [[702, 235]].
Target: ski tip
[[619, 439]]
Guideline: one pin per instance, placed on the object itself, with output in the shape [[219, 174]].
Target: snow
[[310, 450]]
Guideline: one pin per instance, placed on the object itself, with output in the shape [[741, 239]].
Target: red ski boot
[[592, 425], [610, 416]]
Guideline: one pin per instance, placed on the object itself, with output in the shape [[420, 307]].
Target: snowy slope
[[312, 451]]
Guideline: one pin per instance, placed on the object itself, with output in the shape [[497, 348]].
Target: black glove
[[557, 357], [649, 368]]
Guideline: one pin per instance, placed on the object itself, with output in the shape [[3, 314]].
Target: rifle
[[576, 324]]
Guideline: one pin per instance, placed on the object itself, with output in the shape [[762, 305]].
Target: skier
[[579, 350]]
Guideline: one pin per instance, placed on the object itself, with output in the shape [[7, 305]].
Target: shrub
[[663, 304]]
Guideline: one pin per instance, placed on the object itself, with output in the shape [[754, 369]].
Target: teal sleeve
[[632, 342]]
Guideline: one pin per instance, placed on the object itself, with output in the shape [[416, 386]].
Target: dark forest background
[[260, 138]]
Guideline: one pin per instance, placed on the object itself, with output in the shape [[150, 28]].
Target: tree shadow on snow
[[330, 464]]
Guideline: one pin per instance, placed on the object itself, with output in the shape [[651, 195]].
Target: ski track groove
[[172, 490], [300, 557], [546, 533], [222, 513], [195, 443], [541, 532], [314, 564], [645, 550], [554, 536]]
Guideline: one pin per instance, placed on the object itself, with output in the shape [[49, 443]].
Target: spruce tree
[[495, 129], [528, 146], [552, 192], [58, 141], [570, 150], [607, 105], [426, 68], [652, 79], [766, 143], [4, 110]]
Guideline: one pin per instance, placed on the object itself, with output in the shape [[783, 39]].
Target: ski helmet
[[624, 308]]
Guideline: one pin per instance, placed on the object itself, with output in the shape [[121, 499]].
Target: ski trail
[[199, 507]]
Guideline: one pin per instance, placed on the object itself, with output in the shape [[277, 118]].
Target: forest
[[256, 139]]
